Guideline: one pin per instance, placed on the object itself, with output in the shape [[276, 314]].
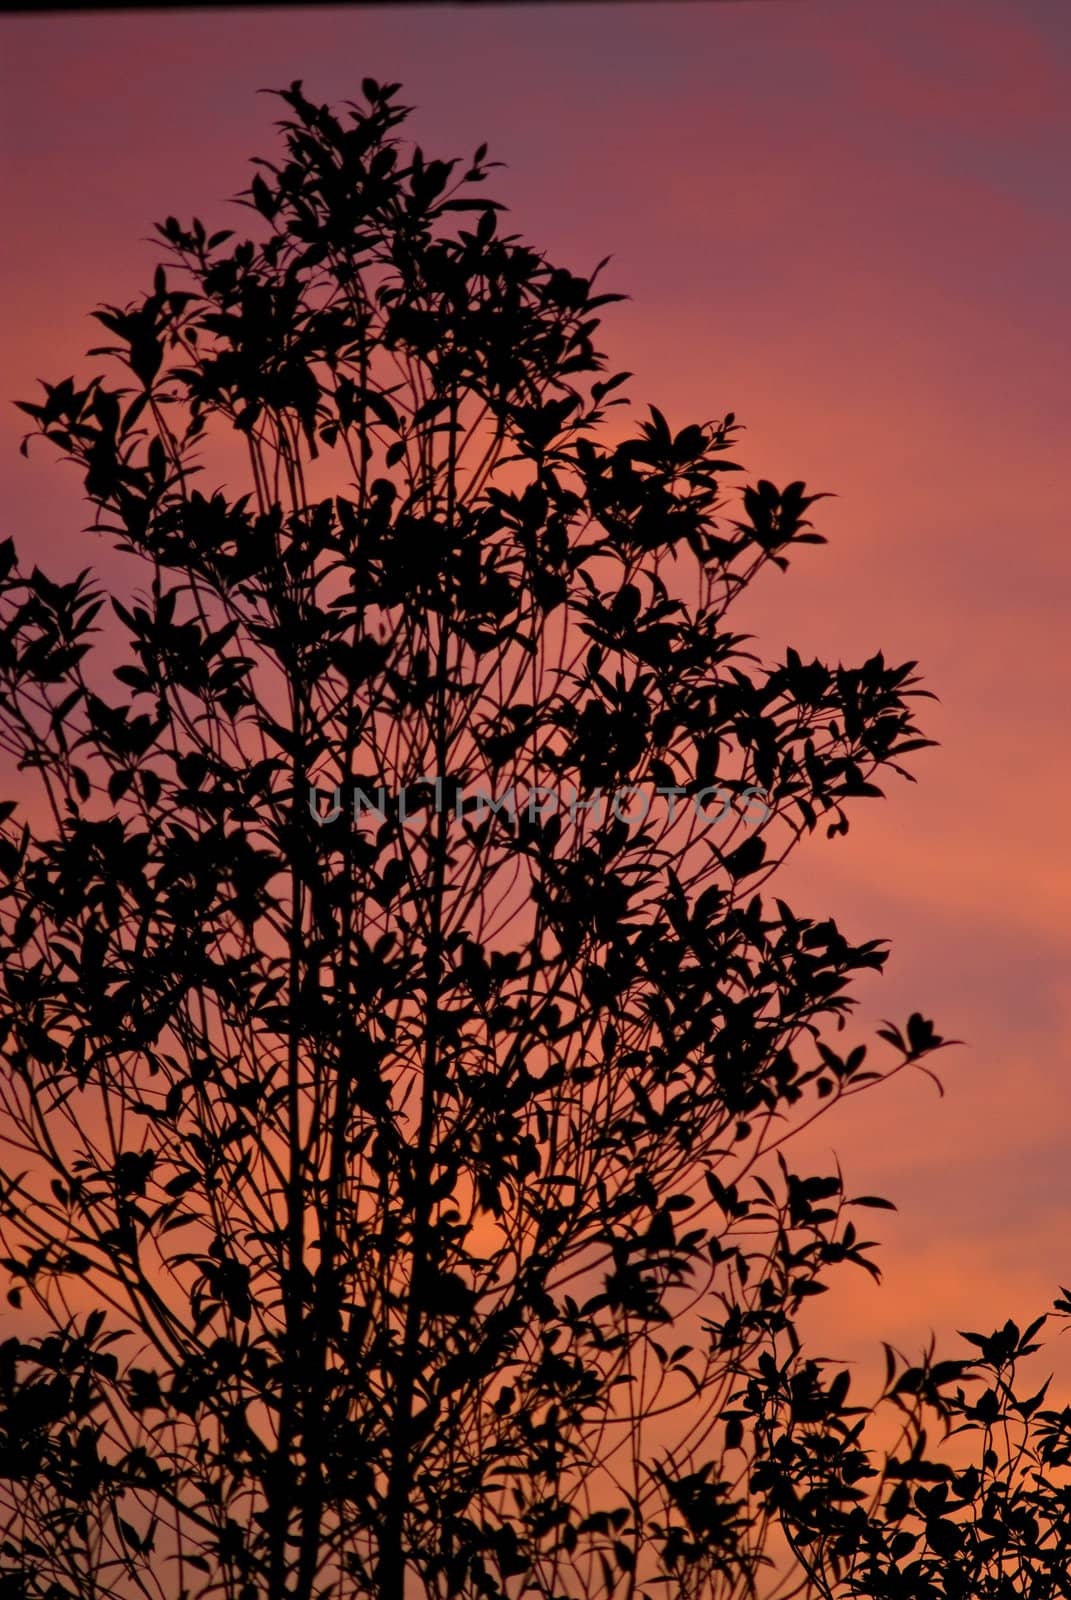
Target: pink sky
[[845, 222]]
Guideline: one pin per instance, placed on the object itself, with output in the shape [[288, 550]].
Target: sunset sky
[[845, 220]]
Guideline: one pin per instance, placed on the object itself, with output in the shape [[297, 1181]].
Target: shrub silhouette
[[988, 1519], [397, 1044]]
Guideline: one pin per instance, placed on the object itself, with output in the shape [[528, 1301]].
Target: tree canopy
[[401, 1049]]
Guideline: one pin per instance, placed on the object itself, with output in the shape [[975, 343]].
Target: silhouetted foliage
[[982, 1513], [405, 1193]]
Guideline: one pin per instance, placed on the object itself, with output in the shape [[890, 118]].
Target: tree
[[398, 1199], [984, 1514]]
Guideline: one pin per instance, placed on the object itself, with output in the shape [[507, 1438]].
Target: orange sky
[[848, 223]]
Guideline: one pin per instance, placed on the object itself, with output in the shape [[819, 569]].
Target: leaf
[[747, 858]]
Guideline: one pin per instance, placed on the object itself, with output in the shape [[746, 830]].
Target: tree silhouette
[[991, 1523], [400, 1053]]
